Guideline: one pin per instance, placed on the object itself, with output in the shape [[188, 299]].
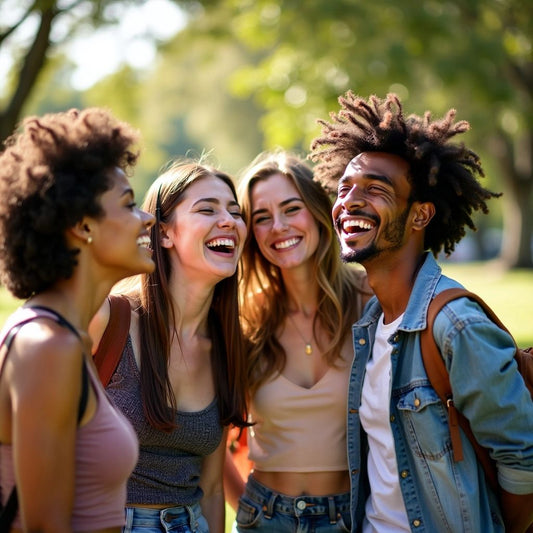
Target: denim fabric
[[181, 519], [441, 495], [263, 510]]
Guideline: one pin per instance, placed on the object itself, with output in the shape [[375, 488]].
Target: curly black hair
[[52, 174], [441, 172]]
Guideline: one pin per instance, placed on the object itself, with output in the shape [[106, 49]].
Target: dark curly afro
[[441, 172], [52, 174]]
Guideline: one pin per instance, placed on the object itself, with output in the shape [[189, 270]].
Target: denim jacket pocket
[[425, 422]]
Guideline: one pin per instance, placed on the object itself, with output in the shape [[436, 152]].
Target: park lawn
[[508, 292]]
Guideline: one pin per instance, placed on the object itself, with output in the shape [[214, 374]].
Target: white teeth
[[143, 241], [227, 243], [286, 244], [349, 224]]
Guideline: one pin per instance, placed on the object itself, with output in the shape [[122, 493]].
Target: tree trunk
[[518, 201], [29, 72]]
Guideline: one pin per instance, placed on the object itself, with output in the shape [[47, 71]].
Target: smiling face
[[373, 206], [121, 239], [284, 228], [205, 233]]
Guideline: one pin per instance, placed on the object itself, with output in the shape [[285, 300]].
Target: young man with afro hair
[[405, 192]]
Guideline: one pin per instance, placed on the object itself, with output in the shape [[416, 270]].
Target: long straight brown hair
[[156, 314]]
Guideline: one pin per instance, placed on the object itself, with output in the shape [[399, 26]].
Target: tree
[[35, 32], [475, 55]]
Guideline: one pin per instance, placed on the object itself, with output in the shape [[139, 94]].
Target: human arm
[[233, 481], [44, 372], [489, 390], [211, 483], [517, 511]]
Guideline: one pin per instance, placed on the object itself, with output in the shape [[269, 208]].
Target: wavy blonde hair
[[264, 300]]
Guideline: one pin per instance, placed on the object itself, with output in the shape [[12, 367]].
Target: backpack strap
[[113, 340], [440, 379]]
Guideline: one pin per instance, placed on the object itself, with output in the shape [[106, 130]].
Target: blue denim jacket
[[440, 494]]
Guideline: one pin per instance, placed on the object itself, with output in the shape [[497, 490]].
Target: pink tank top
[[106, 453], [299, 429]]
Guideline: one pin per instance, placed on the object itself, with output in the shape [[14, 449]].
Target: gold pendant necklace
[[308, 345]]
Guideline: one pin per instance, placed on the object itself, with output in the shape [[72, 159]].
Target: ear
[[423, 212], [82, 231], [166, 240]]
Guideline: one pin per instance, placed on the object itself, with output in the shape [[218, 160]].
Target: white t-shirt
[[385, 509]]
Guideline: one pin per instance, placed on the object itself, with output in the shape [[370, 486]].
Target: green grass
[[509, 293]]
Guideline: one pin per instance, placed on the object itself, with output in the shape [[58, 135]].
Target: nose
[[352, 199], [148, 219], [226, 220], [279, 224]]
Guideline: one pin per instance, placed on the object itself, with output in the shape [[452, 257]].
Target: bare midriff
[[152, 505], [305, 483]]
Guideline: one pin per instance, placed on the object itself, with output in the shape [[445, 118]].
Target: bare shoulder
[[45, 349], [101, 319], [99, 323]]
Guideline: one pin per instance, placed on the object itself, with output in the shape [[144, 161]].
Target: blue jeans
[[181, 519], [263, 510]]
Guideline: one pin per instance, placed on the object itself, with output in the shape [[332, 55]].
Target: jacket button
[[355, 471], [416, 523], [404, 474], [353, 411], [362, 342], [417, 402], [392, 418]]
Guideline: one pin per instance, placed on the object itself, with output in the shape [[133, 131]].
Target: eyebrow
[[127, 191], [281, 204], [214, 201], [370, 176]]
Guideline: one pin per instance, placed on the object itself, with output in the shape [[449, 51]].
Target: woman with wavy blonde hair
[[298, 304]]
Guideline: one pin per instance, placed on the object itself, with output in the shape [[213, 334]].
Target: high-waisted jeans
[[266, 511], [181, 519]]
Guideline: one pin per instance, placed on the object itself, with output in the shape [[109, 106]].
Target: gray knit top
[[168, 470]]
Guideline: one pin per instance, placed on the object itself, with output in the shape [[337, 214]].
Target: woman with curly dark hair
[[69, 230], [180, 379]]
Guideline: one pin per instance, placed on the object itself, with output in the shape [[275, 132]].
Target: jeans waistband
[[145, 515], [272, 501]]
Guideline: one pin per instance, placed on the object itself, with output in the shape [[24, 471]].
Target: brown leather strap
[[440, 380], [113, 340]]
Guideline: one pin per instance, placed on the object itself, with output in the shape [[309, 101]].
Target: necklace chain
[[308, 345]]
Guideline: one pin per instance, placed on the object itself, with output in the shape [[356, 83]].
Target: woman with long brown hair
[[181, 377]]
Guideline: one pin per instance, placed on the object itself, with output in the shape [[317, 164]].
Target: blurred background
[[233, 77]]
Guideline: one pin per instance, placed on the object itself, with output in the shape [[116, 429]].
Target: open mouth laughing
[[222, 245], [356, 226], [143, 241]]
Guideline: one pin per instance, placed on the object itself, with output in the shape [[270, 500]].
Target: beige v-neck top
[[299, 429]]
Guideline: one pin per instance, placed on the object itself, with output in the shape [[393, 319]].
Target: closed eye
[[293, 209], [261, 219]]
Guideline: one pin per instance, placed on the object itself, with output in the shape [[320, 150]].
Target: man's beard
[[393, 233]]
